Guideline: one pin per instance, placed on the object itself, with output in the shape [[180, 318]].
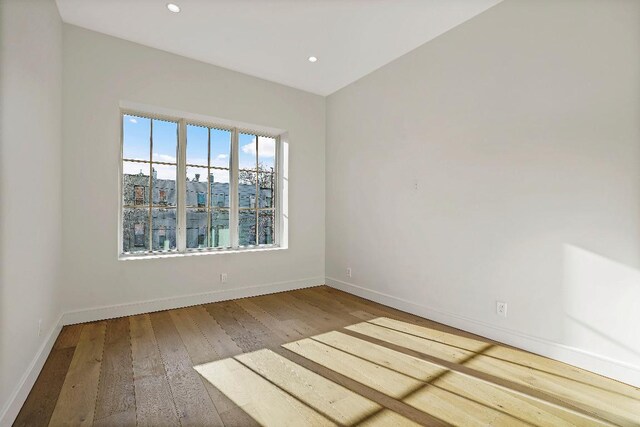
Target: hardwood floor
[[315, 356]]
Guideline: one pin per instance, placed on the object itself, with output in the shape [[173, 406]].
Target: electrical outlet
[[501, 308], [39, 327], [223, 277], [348, 271], [415, 184]]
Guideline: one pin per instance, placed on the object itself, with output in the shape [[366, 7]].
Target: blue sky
[[136, 146]]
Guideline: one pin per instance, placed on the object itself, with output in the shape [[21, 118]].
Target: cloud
[[132, 120], [221, 161], [157, 157], [267, 147]]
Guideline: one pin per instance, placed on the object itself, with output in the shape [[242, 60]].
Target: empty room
[[320, 212]]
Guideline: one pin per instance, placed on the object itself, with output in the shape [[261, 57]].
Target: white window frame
[[181, 186]]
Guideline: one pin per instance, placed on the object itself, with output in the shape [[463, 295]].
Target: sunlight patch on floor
[[275, 390]]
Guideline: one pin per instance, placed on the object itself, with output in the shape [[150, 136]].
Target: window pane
[[266, 183], [219, 196], [219, 188], [136, 141], [165, 141], [135, 229], [164, 185], [220, 148], [135, 183], [196, 187], [247, 227], [246, 189], [266, 221], [163, 222], [220, 228], [197, 228], [197, 145], [247, 151], [266, 154], [220, 175]]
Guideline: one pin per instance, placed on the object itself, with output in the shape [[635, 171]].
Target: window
[[196, 186], [201, 200], [138, 191]]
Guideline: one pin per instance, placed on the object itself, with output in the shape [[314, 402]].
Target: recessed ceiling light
[[173, 7], [312, 59]]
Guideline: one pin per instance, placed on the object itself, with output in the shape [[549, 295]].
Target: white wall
[[30, 189], [100, 72], [522, 130]]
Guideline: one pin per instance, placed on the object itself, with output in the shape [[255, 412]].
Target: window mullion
[[150, 196], [233, 191], [208, 198], [181, 184], [275, 194], [257, 190]]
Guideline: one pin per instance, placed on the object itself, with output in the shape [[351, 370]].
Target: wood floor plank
[[446, 406], [154, 403], [274, 305], [391, 383], [220, 346], [116, 401], [309, 357], [286, 330], [446, 388], [335, 402], [245, 331], [69, 336], [621, 410], [512, 355], [273, 407], [321, 321], [332, 400], [38, 407], [193, 404], [77, 400], [200, 351]]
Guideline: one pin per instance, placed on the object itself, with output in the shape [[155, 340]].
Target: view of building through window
[[150, 205]]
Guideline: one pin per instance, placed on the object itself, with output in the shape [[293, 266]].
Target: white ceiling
[[272, 39]]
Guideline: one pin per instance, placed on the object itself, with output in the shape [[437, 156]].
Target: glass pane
[[266, 221], [219, 188], [164, 185], [197, 228], [220, 175], [220, 148], [136, 137], [247, 151], [165, 141], [266, 154], [135, 229], [135, 183], [220, 228], [163, 222], [247, 227], [266, 185], [197, 187], [197, 145], [246, 189]]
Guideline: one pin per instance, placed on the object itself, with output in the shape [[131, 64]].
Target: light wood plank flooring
[[311, 357]]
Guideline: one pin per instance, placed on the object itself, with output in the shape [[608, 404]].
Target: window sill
[[197, 252]]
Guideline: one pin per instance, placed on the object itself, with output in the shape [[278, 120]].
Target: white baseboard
[[17, 399], [593, 362], [149, 306], [12, 407]]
